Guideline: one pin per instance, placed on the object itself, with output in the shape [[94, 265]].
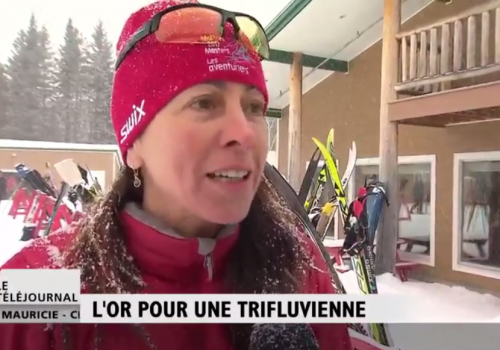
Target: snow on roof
[[41, 145]]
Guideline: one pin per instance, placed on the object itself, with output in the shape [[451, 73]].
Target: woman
[[191, 212]]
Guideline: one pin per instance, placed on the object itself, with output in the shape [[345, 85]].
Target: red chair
[[22, 201]]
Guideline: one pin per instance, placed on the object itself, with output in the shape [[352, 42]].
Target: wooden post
[[295, 122], [388, 147]]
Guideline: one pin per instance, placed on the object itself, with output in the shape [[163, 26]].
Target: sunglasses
[[200, 24]]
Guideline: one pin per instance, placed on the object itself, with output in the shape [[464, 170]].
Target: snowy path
[[458, 301]]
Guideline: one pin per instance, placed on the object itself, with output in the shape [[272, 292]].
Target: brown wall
[[350, 103], [33, 158]]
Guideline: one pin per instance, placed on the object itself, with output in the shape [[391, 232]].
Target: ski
[[95, 182], [322, 212], [307, 182], [290, 197], [338, 183], [360, 227], [330, 172], [328, 213], [57, 204], [317, 190], [331, 167], [36, 181], [363, 260]]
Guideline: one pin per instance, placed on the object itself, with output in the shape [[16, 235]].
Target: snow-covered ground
[[458, 301], [463, 304], [10, 233]]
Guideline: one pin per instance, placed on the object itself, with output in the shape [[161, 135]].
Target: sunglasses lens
[[199, 25], [255, 35], [192, 25]]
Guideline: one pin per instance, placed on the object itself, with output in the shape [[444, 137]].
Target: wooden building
[[423, 106], [103, 160]]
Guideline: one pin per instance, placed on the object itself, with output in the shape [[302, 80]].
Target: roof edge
[[62, 146], [284, 18]]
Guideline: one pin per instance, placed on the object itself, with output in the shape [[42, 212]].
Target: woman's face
[[205, 152]]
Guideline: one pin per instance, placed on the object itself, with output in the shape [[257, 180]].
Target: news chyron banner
[[39, 296], [53, 296]]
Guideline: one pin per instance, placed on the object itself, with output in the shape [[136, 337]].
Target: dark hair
[[267, 258]]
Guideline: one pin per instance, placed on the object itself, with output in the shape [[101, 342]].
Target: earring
[[137, 180]]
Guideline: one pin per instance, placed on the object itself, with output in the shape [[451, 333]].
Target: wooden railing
[[457, 48]]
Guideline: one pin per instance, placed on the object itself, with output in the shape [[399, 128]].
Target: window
[[272, 125], [10, 181], [272, 154], [416, 184], [476, 213]]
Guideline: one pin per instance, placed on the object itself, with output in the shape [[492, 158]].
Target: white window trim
[[115, 170], [457, 265], [278, 130], [420, 159]]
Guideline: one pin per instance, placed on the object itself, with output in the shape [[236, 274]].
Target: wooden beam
[[467, 98], [448, 77], [295, 122], [388, 143], [474, 10], [310, 61]]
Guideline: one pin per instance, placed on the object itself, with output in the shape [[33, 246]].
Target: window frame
[[14, 171], [429, 260], [275, 122], [457, 264], [273, 155]]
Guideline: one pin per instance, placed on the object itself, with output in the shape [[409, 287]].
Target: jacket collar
[[161, 252]]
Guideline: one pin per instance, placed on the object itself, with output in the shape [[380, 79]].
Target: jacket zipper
[[209, 265]]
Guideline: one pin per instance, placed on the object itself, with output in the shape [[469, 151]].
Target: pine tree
[[23, 73], [47, 84], [29, 88], [15, 71], [70, 86], [100, 63]]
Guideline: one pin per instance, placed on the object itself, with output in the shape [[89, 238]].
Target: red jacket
[[169, 264]]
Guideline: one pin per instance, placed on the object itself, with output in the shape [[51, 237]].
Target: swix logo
[[132, 121]]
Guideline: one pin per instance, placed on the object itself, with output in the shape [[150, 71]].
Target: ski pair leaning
[[327, 180], [360, 228], [360, 218]]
